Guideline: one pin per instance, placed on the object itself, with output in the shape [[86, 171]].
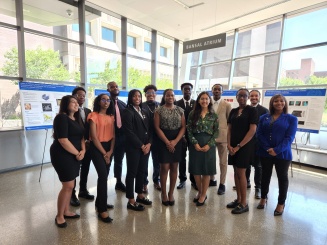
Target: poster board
[[40, 103], [306, 104]]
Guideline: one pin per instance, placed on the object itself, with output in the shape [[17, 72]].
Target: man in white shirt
[[222, 108]]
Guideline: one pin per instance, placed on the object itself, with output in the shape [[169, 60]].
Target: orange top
[[104, 126]]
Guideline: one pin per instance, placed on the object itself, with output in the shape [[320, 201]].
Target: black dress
[[65, 163], [170, 124], [240, 126]]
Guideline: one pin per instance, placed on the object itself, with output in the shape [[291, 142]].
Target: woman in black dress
[[202, 128], [66, 152], [169, 122], [136, 125], [242, 124]]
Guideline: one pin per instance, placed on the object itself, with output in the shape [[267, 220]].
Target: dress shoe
[[74, 201], [262, 206], [120, 187], [248, 185], [221, 189], [234, 187], [106, 219], [181, 185], [144, 201], [86, 195], [213, 183], [110, 206], [157, 186], [240, 209], [62, 225], [257, 194], [145, 189], [75, 216], [198, 204], [195, 199], [194, 186], [277, 213], [233, 204], [171, 203], [165, 203], [135, 206]]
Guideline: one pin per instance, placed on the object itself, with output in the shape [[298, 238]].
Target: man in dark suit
[[187, 104], [149, 106], [255, 99], [119, 150], [79, 93]]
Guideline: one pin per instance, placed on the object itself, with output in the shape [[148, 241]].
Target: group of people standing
[[167, 130]]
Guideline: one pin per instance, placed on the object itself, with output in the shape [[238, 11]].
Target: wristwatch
[[239, 146]]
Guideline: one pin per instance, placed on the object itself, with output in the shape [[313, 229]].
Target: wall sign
[[205, 43]]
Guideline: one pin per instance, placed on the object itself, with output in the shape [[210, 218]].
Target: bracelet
[[239, 146]]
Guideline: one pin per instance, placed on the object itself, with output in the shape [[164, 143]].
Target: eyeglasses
[[80, 95], [105, 100], [150, 93], [242, 96]]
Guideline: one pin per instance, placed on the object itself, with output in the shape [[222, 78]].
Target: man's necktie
[[187, 105], [82, 113], [118, 118]]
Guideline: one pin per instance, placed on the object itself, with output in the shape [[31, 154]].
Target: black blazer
[[181, 104], [137, 130], [261, 110], [85, 124]]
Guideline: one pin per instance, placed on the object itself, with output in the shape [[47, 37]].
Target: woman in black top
[[66, 152], [136, 125], [242, 124]]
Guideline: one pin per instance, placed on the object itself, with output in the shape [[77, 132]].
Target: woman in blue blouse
[[276, 132], [202, 128]]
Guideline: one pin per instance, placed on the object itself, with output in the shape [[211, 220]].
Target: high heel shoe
[[165, 203], [277, 213], [201, 203], [262, 206], [106, 219], [171, 203]]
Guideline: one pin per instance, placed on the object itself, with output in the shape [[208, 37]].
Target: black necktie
[[187, 105]]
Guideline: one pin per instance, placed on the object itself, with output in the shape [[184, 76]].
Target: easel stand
[[45, 143]]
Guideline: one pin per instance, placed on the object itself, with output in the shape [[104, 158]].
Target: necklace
[[155, 106]]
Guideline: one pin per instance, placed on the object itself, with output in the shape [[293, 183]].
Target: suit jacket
[[181, 104], [137, 129], [261, 110], [85, 124], [223, 111]]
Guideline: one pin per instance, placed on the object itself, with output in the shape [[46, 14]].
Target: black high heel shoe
[[277, 213], [165, 203], [171, 203], [262, 206], [106, 219], [201, 203]]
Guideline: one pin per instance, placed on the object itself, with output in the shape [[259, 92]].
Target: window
[[131, 42], [108, 34], [75, 27], [147, 47], [163, 51], [219, 54]]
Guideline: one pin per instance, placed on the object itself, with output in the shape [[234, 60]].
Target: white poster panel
[[40, 103], [306, 104]]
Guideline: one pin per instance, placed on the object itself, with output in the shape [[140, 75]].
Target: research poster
[[40, 103], [306, 104]]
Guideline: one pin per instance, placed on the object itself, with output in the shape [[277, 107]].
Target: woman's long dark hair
[[130, 97], [197, 108], [271, 104], [97, 108], [163, 96]]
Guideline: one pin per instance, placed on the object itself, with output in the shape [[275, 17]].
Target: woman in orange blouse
[[102, 138]]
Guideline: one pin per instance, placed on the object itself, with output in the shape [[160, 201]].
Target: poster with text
[[306, 104], [40, 103]]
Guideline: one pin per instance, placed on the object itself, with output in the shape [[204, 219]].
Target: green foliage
[[286, 81]]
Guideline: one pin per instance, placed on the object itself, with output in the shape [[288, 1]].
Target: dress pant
[[119, 152], [257, 172], [136, 165], [155, 161], [102, 170], [85, 167], [222, 154], [182, 164], [281, 167]]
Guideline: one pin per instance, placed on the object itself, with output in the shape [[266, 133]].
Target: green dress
[[204, 133]]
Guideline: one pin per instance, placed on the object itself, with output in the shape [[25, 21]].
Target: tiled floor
[[28, 209]]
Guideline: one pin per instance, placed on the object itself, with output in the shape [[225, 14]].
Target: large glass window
[[103, 67], [139, 73], [10, 109], [305, 66], [258, 40], [131, 42], [8, 12], [51, 59], [8, 53], [163, 52], [165, 76], [138, 41], [219, 54], [218, 73], [75, 27], [147, 47], [165, 49], [305, 29]]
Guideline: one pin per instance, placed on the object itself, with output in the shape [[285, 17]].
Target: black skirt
[[164, 155]]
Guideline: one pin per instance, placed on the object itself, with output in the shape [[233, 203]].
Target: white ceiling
[[173, 19]]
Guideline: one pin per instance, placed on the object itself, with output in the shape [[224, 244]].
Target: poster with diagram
[[40, 103], [306, 104]]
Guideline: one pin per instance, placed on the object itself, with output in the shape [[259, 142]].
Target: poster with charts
[[306, 104], [40, 103]]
